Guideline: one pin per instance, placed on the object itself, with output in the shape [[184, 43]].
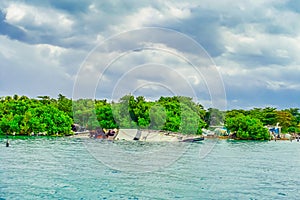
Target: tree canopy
[[247, 128], [288, 119], [24, 116]]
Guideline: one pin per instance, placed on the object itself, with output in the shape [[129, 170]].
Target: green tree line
[[250, 124], [176, 114], [23, 116]]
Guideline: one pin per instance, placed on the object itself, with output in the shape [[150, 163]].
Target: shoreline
[[145, 135]]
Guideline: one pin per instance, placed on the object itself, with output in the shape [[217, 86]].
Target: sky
[[227, 54]]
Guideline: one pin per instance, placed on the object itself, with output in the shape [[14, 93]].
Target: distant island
[[21, 115]]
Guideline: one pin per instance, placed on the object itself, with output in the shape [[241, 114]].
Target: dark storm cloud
[[255, 44]]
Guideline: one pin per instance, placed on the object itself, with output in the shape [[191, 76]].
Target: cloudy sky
[[228, 53]]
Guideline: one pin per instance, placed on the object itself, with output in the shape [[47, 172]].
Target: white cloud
[[152, 16], [15, 14], [180, 10], [49, 51], [268, 48], [255, 44], [30, 17], [33, 69]]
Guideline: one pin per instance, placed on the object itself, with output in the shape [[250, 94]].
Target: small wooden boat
[[193, 139]]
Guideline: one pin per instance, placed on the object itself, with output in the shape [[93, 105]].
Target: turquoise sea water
[[66, 168]]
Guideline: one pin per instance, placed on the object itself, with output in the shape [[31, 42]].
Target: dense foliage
[[25, 116], [176, 114], [247, 128], [287, 119]]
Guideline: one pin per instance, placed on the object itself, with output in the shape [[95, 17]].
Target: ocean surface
[[69, 168]]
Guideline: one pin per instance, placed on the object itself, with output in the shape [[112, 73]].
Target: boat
[[193, 139]]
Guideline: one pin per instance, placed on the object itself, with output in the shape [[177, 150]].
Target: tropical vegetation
[[21, 115]]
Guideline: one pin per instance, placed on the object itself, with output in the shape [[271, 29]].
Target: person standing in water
[[7, 142]]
